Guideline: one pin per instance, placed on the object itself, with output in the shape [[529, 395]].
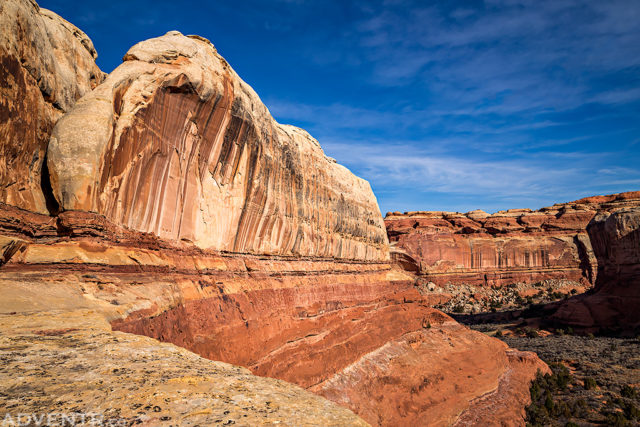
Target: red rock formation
[[357, 333], [189, 215], [46, 64], [507, 247], [613, 304]]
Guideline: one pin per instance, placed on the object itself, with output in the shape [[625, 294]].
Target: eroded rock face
[[613, 305], [46, 64], [506, 247], [175, 143]]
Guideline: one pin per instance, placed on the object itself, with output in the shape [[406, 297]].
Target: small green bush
[[616, 419], [531, 333], [628, 391], [458, 308], [590, 383]]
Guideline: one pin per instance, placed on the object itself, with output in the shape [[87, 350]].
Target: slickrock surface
[[442, 375], [46, 64], [71, 363], [175, 143], [309, 321], [614, 304], [514, 246]]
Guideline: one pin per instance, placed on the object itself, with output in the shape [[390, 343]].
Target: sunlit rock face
[[175, 143], [615, 236], [46, 64], [507, 247]]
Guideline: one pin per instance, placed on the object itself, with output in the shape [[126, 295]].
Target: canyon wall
[[46, 64], [613, 303], [507, 247], [185, 213]]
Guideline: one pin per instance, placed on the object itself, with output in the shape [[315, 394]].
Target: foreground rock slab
[[72, 364]]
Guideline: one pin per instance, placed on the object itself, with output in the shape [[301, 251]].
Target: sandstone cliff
[[511, 246], [175, 143], [46, 64], [187, 214]]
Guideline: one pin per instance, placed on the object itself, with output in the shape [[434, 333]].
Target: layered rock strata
[[357, 333], [514, 246], [46, 64]]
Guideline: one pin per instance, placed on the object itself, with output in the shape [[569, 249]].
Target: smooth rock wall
[[613, 304]]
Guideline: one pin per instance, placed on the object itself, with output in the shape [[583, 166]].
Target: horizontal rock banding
[[309, 321], [507, 247]]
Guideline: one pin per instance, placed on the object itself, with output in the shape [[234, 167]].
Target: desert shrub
[[543, 408], [632, 412], [531, 333], [458, 308], [560, 331], [561, 375], [590, 383], [615, 419], [495, 304], [579, 408], [499, 333], [548, 403], [628, 391]]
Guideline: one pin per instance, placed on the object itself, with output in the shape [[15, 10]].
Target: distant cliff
[[613, 304], [518, 245]]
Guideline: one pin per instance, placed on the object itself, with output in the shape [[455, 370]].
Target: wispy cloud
[[544, 176]]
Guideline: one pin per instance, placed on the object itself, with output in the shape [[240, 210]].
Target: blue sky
[[440, 105]]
